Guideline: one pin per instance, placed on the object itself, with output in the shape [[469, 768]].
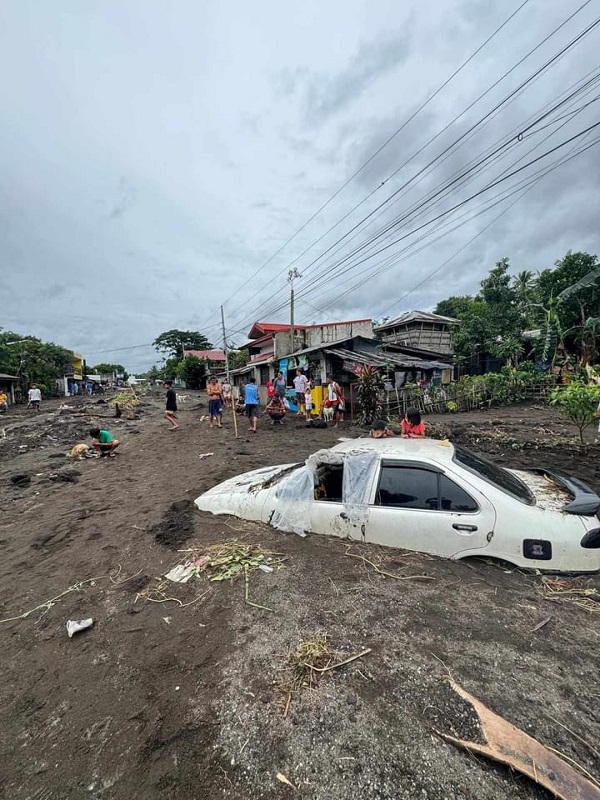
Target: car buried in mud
[[424, 495]]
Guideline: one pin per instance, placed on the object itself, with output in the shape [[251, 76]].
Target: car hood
[[245, 495]]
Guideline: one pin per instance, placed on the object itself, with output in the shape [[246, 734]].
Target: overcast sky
[[154, 156]]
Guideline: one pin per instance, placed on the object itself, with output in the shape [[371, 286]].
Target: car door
[[340, 506], [420, 506]]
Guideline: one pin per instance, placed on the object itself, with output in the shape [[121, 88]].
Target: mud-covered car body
[[424, 495]]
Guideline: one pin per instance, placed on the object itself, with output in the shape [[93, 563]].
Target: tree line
[[552, 316]]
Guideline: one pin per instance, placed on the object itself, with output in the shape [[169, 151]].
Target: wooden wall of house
[[435, 338]]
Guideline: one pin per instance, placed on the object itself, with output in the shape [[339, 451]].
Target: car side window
[[454, 498], [407, 487], [421, 488], [329, 483]]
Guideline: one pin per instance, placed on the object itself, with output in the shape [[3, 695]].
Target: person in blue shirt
[[251, 395]]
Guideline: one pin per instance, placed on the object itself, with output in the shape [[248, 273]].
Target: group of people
[[221, 394], [34, 399]]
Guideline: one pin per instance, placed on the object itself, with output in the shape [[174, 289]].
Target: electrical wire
[[490, 113]]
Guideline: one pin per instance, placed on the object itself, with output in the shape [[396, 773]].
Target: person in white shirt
[[308, 401], [34, 396], [300, 384]]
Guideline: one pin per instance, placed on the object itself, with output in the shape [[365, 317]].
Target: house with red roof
[[269, 343]]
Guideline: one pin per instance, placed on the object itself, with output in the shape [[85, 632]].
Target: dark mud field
[[184, 691]]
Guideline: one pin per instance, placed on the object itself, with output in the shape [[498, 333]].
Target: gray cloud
[[161, 174], [327, 94]]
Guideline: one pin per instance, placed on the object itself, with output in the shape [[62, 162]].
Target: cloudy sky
[[156, 159]]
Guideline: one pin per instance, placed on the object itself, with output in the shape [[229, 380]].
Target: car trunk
[[556, 492]]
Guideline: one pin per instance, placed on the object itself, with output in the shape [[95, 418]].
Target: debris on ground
[[75, 626], [571, 591], [511, 746], [224, 561]]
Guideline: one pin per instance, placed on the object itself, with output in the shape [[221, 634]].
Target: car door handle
[[469, 528], [343, 515]]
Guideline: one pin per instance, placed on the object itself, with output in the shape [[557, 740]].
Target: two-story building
[[420, 331], [269, 346]]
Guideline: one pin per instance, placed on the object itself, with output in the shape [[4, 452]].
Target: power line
[[498, 181], [512, 94], [357, 172]]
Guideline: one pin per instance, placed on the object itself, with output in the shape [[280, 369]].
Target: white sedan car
[[424, 495]]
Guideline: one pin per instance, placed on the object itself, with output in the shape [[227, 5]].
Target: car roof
[[438, 450]]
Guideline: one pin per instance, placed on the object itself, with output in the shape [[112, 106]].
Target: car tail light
[[591, 540]]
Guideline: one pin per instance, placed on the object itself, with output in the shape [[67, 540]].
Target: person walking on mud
[[34, 396], [171, 406]]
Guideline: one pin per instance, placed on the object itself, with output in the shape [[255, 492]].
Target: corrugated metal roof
[[209, 355], [416, 316], [5, 377], [385, 358]]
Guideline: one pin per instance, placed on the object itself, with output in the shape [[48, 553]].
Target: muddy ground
[[190, 698]]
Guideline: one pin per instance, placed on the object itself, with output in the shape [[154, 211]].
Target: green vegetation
[[107, 369], [191, 370], [578, 402], [35, 361], [172, 343], [370, 393], [563, 303]]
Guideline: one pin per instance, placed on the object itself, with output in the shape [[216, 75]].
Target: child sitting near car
[[412, 425]]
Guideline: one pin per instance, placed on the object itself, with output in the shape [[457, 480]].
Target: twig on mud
[[576, 764], [176, 600], [541, 624], [445, 666], [341, 663], [47, 605], [391, 574], [287, 705], [576, 735], [119, 583], [247, 599]]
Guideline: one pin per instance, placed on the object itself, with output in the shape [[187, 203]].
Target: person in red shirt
[[412, 425]]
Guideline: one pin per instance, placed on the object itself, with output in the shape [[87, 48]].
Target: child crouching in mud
[[104, 442]]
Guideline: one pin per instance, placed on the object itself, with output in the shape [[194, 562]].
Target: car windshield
[[498, 477]]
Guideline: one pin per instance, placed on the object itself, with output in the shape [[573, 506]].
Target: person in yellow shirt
[[3, 402]]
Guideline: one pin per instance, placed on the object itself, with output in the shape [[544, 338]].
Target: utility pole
[[292, 275], [225, 346]]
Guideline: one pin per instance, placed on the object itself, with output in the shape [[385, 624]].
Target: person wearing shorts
[[34, 397], [251, 396], [276, 410], [334, 393], [300, 384], [215, 402], [171, 407], [104, 442]]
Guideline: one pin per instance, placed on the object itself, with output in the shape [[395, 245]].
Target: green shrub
[[578, 402]]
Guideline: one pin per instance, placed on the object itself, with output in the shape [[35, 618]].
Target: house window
[[422, 489], [264, 375]]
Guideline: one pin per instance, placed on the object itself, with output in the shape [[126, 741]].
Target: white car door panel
[[420, 507]]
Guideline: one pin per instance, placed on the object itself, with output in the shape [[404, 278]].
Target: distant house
[[420, 331], [8, 384], [269, 343], [215, 359]]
